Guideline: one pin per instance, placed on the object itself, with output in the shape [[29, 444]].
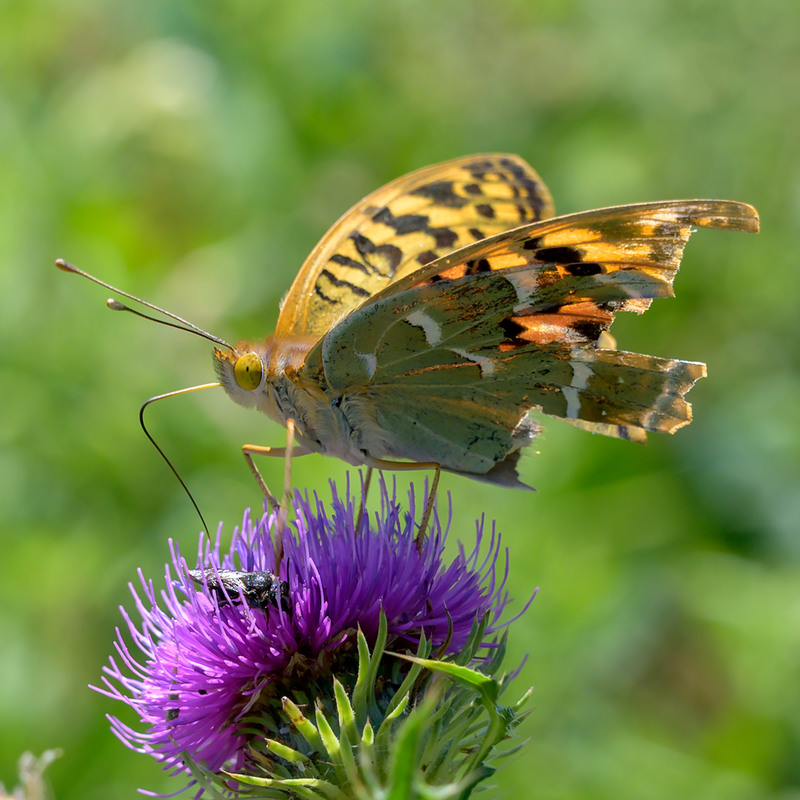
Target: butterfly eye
[[248, 370]]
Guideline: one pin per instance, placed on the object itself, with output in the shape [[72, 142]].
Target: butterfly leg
[[282, 506], [250, 450], [287, 453], [437, 472], [364, 493], [286, 495], [402, 466]]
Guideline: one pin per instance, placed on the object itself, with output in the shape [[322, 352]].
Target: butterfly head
[[242, 371], [247, 369]]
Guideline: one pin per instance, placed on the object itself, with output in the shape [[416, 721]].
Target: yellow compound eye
[[248, 370]]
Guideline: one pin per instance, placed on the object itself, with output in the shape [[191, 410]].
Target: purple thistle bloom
[[211, 668]]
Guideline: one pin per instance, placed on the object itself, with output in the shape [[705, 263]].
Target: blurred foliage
[[194, 152]]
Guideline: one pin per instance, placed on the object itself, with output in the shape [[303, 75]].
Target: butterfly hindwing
[[453, 356], [476, 425], [460, 339], [406, 224]]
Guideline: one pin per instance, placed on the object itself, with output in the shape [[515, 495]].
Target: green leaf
[[486, 686], [329, 739], [287, 753], [383, 736], [347, 720], [501, 719], [303, 725], [410, 680], [348, 735], [364, 691], [405, 749], [310, 788]]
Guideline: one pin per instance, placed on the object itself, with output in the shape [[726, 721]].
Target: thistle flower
[[234, 654]]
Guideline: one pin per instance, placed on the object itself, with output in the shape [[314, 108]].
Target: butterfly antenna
[[163, 454], [115, 305]]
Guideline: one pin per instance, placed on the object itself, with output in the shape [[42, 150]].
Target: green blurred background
[[194, 152]]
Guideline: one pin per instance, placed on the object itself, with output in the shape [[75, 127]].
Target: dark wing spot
[[558, 255], [382, 259], [426, 257], [477, 234], [476, 266], [405, 223], [531, 188], [585, 268], [339, 283], [485, 210], [322, 296], [444, 237], [346, 261], [442, 193], [472, 188], [363, 245], [391, 255], [512, 331], [532, 243], [478, 169], [589, 330], [664, 230], [382, 215], [410, 223]]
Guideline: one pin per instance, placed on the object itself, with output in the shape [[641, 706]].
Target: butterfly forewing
[[405, 225], [647, 235]]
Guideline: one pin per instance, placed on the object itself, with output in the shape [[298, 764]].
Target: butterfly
[[445, 307], [440, 310]]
